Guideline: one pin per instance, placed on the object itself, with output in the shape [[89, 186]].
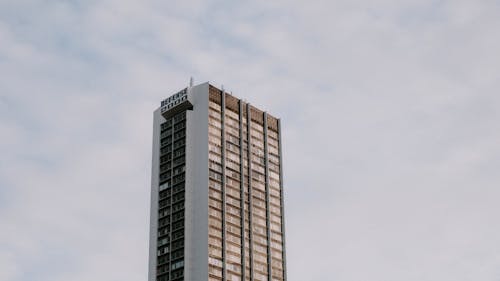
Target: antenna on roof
[[191, 80], [222, 88]]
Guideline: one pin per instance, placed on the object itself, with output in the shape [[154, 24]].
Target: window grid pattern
[[215, 211], [245, 194], [171, 197]]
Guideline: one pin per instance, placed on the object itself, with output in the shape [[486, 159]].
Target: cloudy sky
[[390, 108]]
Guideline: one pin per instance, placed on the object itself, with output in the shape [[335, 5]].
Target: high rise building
[[216, 190]]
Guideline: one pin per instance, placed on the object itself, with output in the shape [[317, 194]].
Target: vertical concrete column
[[282, 202], [250, 218], [268, 210], [223, 183], [242, 192]]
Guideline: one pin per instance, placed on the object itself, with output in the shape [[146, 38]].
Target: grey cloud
[[390, 127]]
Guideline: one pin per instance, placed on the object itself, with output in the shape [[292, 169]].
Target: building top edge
[[182, 96], [258, 110]]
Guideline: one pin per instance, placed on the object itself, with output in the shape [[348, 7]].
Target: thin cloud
[[390, 130]]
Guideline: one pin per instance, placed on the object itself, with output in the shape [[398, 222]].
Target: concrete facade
[[229, 187], [196, 245]]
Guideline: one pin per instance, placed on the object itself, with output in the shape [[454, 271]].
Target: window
[[178, 264]]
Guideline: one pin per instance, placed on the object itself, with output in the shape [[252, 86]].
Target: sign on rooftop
[[174, 100]]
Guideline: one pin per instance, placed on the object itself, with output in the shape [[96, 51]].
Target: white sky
[[391, 113]]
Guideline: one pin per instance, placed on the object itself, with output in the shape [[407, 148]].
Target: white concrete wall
[[196, 222], [196, 200], [155, 169]]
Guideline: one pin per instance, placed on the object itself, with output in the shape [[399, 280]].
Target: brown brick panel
[[214, 94], [232, 103]]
